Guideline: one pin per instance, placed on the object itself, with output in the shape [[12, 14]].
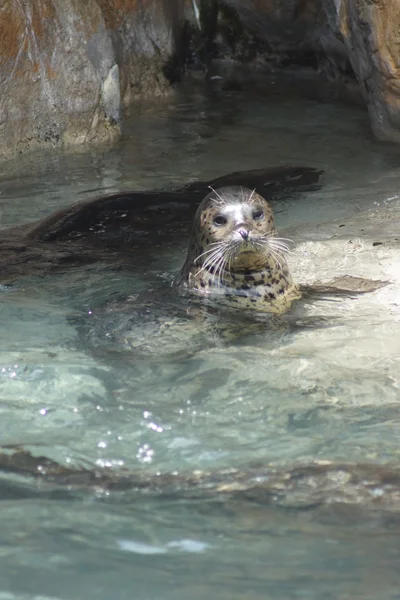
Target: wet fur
[[243, 273]]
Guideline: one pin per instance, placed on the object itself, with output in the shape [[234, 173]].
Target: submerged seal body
[[235, 255]]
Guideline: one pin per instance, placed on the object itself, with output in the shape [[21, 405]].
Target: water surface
[[277, 397]]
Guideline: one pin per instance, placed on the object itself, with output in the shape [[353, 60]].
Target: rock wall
[[282, 32], [145, 36], [68, 66], [353, 43], [370, 32]]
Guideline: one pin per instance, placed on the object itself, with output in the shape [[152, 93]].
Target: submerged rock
[[346, 489]]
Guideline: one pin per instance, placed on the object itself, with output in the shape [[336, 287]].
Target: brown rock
[[52, 93], [66, 65]]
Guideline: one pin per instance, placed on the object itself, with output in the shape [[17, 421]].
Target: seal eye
[[258, 214], [220, 220]]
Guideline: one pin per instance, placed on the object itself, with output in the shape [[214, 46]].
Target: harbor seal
[[235, 254], [235, 280], [236, 257]]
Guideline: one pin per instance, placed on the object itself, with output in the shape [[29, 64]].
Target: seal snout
[[244, 233]]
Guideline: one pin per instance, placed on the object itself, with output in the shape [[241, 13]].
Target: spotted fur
[[235, 255]]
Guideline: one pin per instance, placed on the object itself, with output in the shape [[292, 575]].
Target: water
[[279, 397]]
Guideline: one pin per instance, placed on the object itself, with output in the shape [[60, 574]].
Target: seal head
[[235, 254]]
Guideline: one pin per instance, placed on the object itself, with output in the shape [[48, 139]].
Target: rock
[[67, 66], [348, 490], [284, 33], [52, 89], [145, 36], [353, 43], [369, 30]]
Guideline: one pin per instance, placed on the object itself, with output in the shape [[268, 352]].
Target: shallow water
[[277, 396]]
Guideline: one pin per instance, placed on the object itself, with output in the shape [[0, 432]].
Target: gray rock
[[370, 32]]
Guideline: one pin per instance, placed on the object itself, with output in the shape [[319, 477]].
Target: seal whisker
[[277, 258], [231, 255], [210, 261], [227, 260], [214, 267], [279, 247], [282, 239], [216, 260], [216, 193], [280, 243], [220, 266], [251, 195], [271, 253], [259, 244], [215, 246], [210, 258]]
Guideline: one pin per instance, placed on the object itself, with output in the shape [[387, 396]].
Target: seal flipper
[[344, 285]]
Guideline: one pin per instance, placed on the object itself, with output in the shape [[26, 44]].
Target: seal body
[[235, 260], [235, 255]]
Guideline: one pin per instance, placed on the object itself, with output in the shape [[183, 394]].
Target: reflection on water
[[277, 395]]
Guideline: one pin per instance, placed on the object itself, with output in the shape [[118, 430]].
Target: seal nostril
[[244, 233]]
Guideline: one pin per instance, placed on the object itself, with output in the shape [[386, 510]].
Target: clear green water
[[278, 397]]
